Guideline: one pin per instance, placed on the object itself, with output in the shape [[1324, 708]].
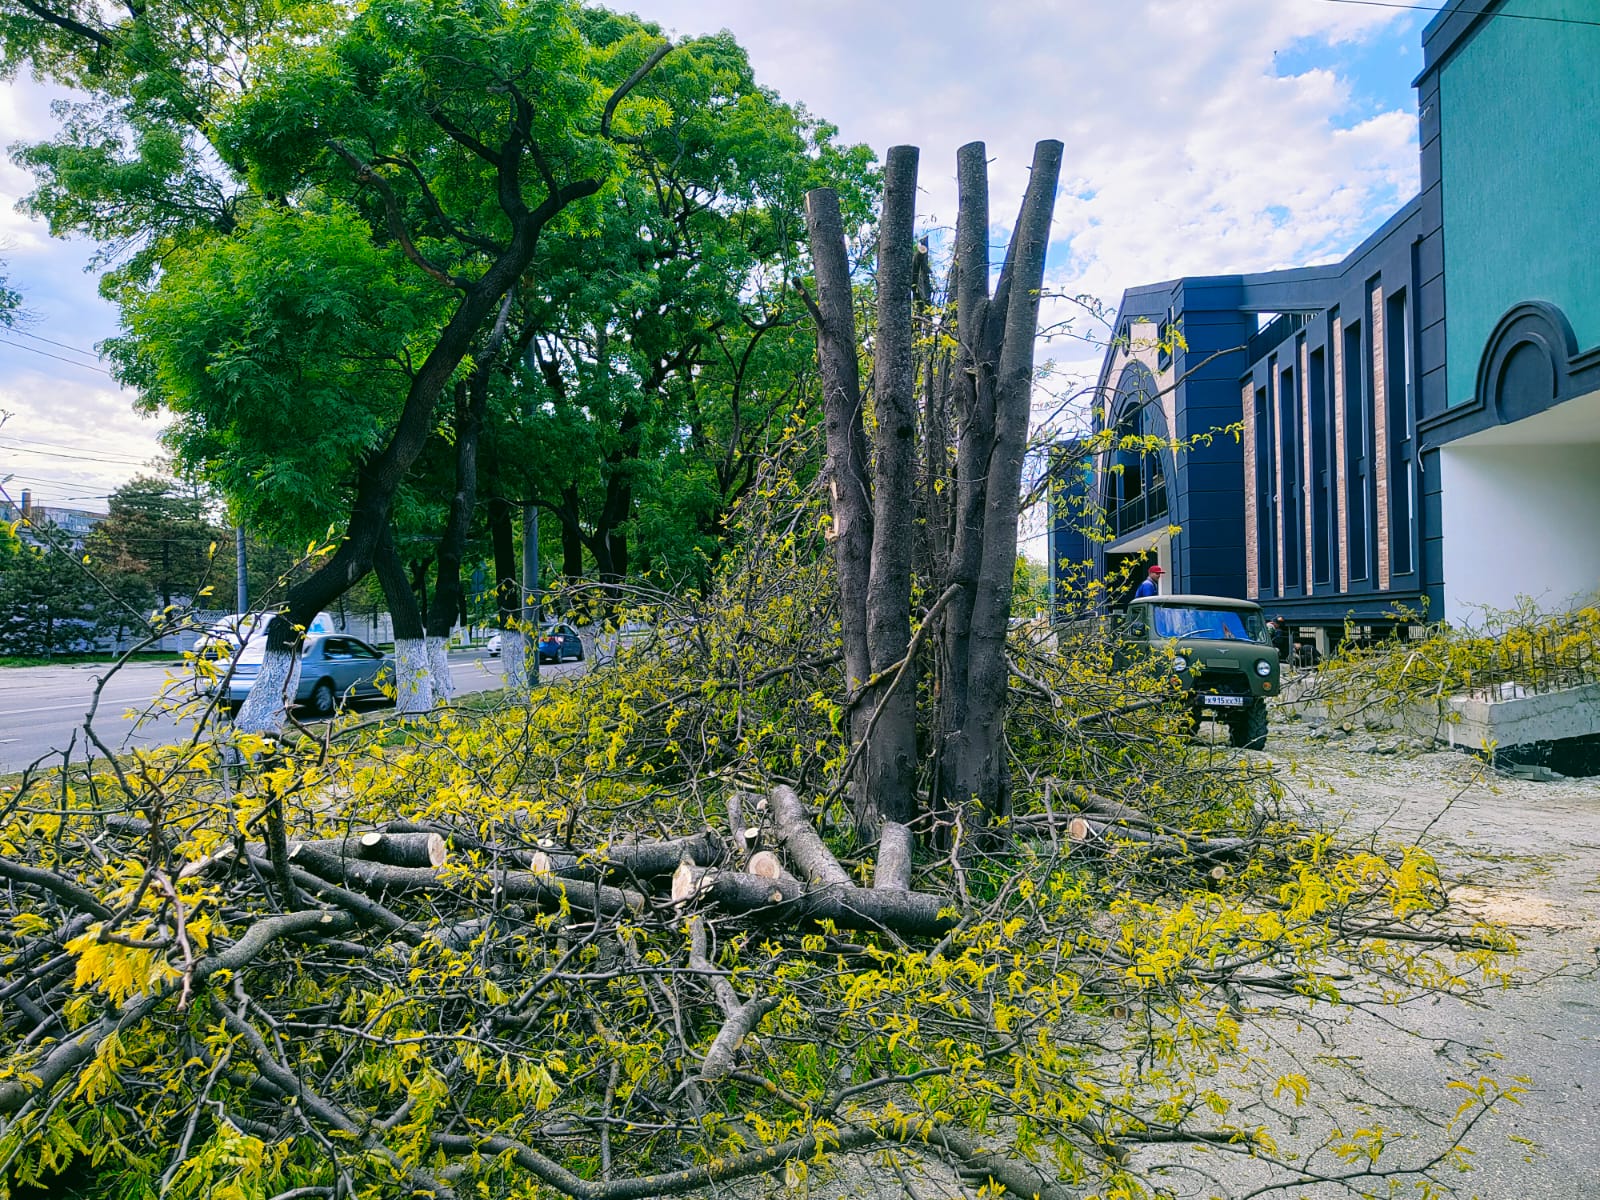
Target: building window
[[1358, 509], [1320, 469], [1292, 516], [1265, 496]]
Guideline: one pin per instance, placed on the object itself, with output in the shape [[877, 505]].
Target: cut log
[[548, 892], [767, 865], [909, 914], [1090, 834], [894, 858], [813, 861], [403, 849], [624, 861]]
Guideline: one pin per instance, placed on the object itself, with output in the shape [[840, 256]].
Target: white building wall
[[1519, 521]]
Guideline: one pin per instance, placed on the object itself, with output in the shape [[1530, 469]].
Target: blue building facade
[[1415, 428]]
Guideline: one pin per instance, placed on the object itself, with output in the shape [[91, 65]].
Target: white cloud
[[1185, 150]]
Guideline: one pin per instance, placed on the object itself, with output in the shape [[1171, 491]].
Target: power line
[[45, 353], [60, 445], [1493, 15], [52, 342], [95, 458]]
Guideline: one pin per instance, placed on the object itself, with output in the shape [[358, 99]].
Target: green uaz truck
[[1219, 652]]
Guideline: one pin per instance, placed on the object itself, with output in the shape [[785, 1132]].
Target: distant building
[[1419, 423], [71, 525]]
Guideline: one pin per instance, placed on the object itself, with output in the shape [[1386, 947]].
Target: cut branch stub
[[894, 858]]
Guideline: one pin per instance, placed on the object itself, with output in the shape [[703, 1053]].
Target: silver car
[[334, 668]]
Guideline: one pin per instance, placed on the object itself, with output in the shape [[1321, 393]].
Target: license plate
[[1224, 701]]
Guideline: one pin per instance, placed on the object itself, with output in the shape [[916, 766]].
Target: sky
[[1201, 136]]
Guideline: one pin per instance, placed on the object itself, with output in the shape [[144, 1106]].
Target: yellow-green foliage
[[1084, 1004], [1524, 648]]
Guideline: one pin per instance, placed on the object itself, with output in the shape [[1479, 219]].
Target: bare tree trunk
[[891, 758], [846, 434], [996, 336], [514, 647], [447, 598], [413, 679]]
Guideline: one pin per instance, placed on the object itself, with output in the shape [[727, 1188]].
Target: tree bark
[[643, 860], [909, 914], [514, 647], [889, 791], [413, 679], [894, 858], [813, 860], [847, 468], [973, 753]]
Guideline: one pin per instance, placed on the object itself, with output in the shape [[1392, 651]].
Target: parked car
[[333, 668], [558, 641], [223, 638], [1221, 654]]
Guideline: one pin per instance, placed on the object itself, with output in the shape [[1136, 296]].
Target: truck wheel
[[1248, 731]]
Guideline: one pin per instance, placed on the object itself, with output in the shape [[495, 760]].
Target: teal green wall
[[1519, 107]]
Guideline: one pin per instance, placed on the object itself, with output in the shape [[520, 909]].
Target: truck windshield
[[1223, 624]]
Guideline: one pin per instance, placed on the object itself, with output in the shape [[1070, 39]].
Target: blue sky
[[1201, 136]]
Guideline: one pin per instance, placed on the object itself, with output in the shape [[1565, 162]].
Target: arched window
[[1135, 479]]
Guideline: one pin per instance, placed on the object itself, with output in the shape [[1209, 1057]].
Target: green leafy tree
[[10, 300], [48, 604], [450, 137], [162, 534]]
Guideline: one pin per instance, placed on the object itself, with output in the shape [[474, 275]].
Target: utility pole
[[530, 586], [242, 580]]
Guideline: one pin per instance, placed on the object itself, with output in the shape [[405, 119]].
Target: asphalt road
[[41, 708]]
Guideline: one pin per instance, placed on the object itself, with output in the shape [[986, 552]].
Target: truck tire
[[1248, 731]]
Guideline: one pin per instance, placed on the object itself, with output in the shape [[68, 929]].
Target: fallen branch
[[813, 861], [908, 914]]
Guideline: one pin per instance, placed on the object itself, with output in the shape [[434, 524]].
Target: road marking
[[23, 712]]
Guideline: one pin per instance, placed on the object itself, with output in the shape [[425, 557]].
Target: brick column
[[1380, 438], [1252, 540], [1308, 490], [1340, 465]]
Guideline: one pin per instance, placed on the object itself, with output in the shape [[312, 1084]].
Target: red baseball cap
[[1157, 571]]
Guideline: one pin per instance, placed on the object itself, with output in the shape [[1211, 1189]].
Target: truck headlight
[[1263, 667], [1180, 663]]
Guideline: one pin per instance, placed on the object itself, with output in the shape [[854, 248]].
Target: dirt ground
[[1519, 852]]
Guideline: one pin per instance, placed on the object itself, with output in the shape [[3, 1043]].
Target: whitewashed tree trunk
[[267, 703], [444, 684], [514, 649], [413, 680]]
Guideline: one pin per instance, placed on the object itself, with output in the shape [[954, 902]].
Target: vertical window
[[1292, 516], [1397, 425], [1355, 451], [1320, 469]]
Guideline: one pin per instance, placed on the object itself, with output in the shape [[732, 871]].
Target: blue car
[[334, 668], [558, 641]]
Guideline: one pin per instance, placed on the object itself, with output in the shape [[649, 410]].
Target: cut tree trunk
[[894, 858], [907, 914], [641, 860], [888, 791]]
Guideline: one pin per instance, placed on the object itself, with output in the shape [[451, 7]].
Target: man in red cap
[[1152, 583]]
